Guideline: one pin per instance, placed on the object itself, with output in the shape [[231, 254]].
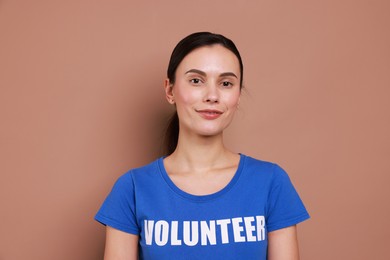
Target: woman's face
[[206, 91]]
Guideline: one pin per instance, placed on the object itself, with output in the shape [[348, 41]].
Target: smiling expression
[[206, 90]]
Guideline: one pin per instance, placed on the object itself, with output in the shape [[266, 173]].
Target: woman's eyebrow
[[196, 71], [225, 74]]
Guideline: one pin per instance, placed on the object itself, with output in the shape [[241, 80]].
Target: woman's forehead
[[210, 58]]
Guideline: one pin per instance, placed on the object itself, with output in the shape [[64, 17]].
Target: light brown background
[[82, 101]]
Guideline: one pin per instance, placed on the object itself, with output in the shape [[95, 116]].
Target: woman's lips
[[209, 113]]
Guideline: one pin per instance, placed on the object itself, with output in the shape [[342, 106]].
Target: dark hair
[[182, 49]]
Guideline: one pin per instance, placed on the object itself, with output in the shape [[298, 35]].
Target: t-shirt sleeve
[[285, 208], [118, 209]]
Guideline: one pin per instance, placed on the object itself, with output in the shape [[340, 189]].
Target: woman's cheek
[[189, 97], [232, 103]]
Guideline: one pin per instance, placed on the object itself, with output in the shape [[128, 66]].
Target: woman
[[203, 201]]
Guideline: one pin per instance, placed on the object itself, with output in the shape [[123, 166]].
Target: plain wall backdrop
[[82, 101]]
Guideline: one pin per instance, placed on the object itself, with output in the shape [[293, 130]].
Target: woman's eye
[[195, 81], [227, 84]]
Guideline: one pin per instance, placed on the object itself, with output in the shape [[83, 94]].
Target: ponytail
[[171, 134]]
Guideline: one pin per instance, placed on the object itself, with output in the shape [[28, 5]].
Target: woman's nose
[[212, 95]]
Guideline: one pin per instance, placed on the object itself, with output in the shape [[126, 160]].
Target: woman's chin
[[210, 132]]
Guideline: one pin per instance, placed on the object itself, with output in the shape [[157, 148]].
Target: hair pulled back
[[182, 49]]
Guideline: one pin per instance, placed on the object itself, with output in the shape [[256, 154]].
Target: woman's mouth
[[209, 114]]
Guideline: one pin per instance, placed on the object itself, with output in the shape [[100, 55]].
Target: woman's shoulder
[[259, 163], [142, 171], [263, 167]]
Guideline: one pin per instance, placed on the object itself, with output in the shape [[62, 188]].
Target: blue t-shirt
[[232, 223]]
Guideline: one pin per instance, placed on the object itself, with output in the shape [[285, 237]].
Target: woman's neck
[[201, 153]]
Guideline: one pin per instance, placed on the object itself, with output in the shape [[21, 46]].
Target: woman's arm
[[120, 245], [283, 244]]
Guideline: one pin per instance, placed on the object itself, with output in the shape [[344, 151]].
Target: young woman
[[203, 201]]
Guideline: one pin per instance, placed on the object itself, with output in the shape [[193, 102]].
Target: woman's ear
[[169, 92]]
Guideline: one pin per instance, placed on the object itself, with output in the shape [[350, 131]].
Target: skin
[[120, 245], [206, 94]]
